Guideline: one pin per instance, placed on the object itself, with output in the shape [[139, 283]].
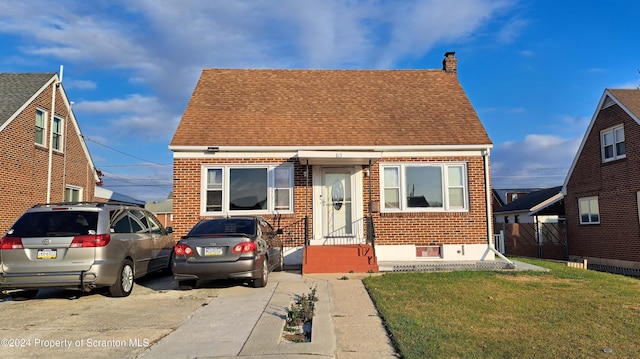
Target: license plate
[[212, 251], [47, 254]]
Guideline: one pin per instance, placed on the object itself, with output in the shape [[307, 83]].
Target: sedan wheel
[[124, 284], [262, 281], [187, 284], [280, 266]]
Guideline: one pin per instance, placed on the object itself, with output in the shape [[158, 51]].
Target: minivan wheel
[[262, 281], [187, 284], [124, 284]]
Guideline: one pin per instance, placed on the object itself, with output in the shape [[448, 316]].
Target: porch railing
[[296, 234]]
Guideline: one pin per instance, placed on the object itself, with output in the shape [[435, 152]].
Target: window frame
[[613, 131], [57, 138], [43, 129], [590, 213], [73, 189], [225, 183], [445, 187]]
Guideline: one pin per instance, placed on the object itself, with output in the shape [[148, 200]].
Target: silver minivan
[[83, 245]]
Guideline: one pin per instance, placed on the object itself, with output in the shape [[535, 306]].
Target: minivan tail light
[[11, 243], [182, 250], [245, 247], [87, 241]]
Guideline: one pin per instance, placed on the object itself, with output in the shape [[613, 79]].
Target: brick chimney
[[450, 62]]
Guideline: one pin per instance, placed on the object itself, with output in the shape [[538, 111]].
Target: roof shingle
[[17, 88], [243, 107]]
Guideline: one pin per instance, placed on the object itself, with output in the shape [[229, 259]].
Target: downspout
[[56, 83], [487, 189]]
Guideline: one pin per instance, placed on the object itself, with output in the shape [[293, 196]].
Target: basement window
[[429, 252]]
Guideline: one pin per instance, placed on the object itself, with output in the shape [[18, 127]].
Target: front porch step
[[353, 258]]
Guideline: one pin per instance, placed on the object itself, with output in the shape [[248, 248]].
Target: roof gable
[[17, 89], [629, 102], [241, 107]]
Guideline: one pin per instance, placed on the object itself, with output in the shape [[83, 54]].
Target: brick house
[[44, 157], [602, 188], [340, 160]]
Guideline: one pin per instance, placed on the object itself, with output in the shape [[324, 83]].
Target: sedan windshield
[[224, 226]]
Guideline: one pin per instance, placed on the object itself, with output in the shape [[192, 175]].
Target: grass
[[563, 313]]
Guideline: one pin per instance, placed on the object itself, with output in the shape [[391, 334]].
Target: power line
[[124, 153]]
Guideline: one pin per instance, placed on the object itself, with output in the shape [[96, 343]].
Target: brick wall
[[432, 228], [23, 164], [615, 183]]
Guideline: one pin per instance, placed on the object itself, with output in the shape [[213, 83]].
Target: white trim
[[588, 199], [357, 202], [225, 188], [337, 157], [61, 134], [75, 188], [402, 166], [420, 148], [546, 203], [45, 114], [289, 153], [614, 145]]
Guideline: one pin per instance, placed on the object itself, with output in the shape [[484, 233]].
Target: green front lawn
[[563, 313]]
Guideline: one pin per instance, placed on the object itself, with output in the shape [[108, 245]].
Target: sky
[[533, 70]]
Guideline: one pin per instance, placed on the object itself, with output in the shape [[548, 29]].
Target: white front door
[[337, 211]]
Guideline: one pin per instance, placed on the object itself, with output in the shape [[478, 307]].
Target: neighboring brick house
[[44, 157], [163, 210], [309, 146], [602, 188]]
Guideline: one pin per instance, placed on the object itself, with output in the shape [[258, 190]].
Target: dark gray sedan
[[242, 248]]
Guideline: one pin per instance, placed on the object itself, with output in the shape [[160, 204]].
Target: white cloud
[[80, 84], [131, 103], [536, 161]]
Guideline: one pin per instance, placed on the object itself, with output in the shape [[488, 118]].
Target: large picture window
[[612, 142], [248, 188], [425, 187], [589, 211]]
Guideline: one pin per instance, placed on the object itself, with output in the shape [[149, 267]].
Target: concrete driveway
[[60, 323]]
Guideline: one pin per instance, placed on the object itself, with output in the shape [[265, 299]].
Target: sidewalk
[[245, 322]]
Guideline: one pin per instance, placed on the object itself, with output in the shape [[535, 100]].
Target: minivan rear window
[[54, 224]]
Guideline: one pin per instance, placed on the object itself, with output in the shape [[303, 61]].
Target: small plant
[[299, 317], [301, 311]]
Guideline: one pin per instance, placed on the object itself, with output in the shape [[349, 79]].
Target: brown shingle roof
[[236, 107], [629, 98]]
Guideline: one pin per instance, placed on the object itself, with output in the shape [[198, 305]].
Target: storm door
[[337, 203]]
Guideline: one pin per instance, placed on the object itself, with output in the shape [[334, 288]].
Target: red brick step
[[355, 258]]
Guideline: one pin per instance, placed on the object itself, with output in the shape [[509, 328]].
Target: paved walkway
[[248, 322]]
